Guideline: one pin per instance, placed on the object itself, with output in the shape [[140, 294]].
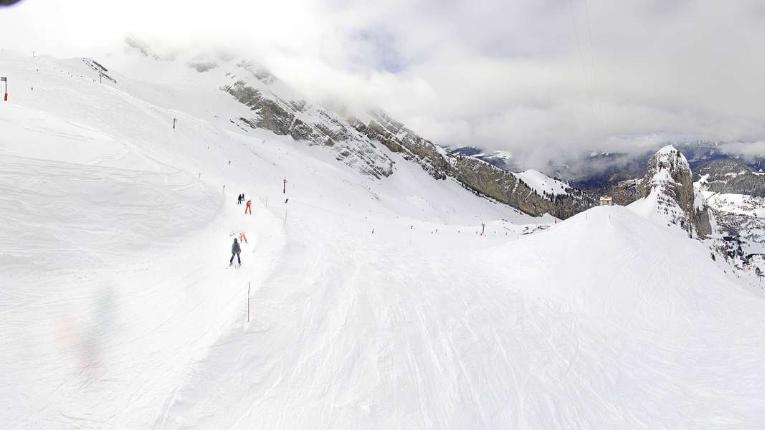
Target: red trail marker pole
[[5, 92]]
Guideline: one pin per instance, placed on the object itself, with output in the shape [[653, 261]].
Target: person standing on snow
[[248, 208], [235, 251]]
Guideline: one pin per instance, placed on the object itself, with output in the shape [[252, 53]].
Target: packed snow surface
[[372, 303]]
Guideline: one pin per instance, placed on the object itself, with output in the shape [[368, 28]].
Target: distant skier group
[[236, 248], [248, 205]]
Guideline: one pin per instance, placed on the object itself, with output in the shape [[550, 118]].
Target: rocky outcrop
[[398, 138], [506, 187], [668, 183], [314, 125]]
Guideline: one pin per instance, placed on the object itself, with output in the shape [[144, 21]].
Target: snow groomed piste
[[372, 303]]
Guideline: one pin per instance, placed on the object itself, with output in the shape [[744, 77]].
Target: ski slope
[[373, 303]]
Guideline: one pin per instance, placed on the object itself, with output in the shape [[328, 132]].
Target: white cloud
[[541, 78]]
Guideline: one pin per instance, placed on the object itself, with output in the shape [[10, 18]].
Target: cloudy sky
[[539, 78]]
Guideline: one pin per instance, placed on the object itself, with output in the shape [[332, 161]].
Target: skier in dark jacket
[[235, 251]]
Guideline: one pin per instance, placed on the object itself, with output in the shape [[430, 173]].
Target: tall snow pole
[[284, 187], [174, 121], [4, 80]]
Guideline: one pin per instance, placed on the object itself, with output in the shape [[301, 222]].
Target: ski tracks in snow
[[259, 258]]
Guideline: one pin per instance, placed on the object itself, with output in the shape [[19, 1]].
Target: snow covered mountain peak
[[670, 158], [667, 170], [669, 195]]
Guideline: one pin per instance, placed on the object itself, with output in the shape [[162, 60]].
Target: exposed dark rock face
[[477, 175], [669, 180], [398, 138], [284, 118], [624, 192], [503, 186], [269, 114]]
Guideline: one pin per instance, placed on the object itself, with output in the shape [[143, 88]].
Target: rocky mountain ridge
[[315, 125], [358, 143]]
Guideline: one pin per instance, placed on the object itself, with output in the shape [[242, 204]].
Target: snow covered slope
[[374, 303], [542, 183], [116, 229], [606, 320]]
